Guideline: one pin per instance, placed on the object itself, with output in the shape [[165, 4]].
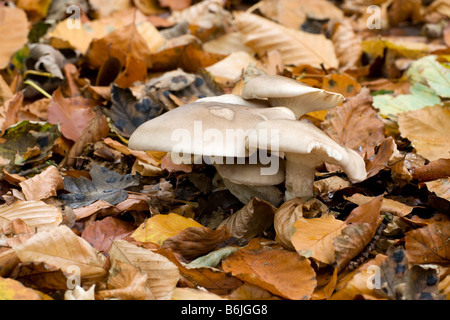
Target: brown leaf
[[73, 114], [405, 10], [9, 112], [96, 130], [341, 83], [362, 223], [388, 205], [100, 234], [126, 282], [347, 43], [193, 242], [44, 185], [175, 4], [41, 276], [251, 220], [355, 124], [135, 70], [429, 244], [279, 271], [291, 211], [385, 153], [440, 187], [434, 170], [8, 261]]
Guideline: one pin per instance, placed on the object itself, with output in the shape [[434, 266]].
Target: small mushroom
[[305, 147], [290, 93]]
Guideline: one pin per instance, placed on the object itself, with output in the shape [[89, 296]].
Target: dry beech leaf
[[325, 188], [429, 244], [126, 282], [135, 70], [9, 111], [341, 83], [61, 247], [326, 291], [386, 154], [251, 292], [357, 282], [355, 124], [388, 205], [19, 232], [291, 211], [162, 274], [347, 44], [279, 271], [100, 234], [11, 289], [196, 241], [36, 214], [251, 220], [228, 43], [296, 47], [194, 294], [15, 38], [441, 187], [427, 129], [434, 170], [8, 261], [313, 238], [44, 185], [39, 275], [160, 227], [362, 223], [293, 13]]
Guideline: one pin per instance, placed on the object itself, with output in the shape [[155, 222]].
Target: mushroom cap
[[207, 128], [236, 99], [290, 93], [251, 174], [301, 137]]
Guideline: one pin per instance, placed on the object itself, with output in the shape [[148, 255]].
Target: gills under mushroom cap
[[290, 93]]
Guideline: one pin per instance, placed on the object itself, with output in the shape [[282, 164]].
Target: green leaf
[[428, 71], [421, 96], [105, 185]]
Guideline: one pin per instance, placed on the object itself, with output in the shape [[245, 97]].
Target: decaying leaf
[[44, 185], [105, 185], [12, 38]]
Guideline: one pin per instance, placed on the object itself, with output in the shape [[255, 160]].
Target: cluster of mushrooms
[[269, 104]]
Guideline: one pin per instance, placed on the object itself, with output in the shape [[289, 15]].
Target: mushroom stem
[[300, 174]]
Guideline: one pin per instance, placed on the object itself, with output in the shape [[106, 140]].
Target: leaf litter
[[139, 226]]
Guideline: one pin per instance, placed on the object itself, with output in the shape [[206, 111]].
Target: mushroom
[[305, 147], [290, 93], [213, 131], [236, 99]]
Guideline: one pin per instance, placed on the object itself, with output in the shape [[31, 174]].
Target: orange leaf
[[279, 271]]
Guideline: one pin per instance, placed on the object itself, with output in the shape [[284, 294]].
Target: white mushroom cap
[[305, 147], [290, 93], [250, 174], [209, 128], [236, 99]]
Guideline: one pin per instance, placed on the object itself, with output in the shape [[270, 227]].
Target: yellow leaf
[[313, 238], [160, 227], [14, 290], [13, 38]]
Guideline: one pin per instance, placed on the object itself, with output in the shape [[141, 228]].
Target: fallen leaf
[[9, 112], [355, 124], [162, 274], [427, 130], [388, 205], [428, 244], [126, 282], [15, 38], [44, 185], [296, 47], [212, 259], [434, 170], [347, 43], [441, 187], [252, 220], [194, 294], [60, 247], [313, 238], [105, 185], [193, 242], [281, 272], [11, 289], [159, 228], [291, 211], [100, 234], [36, 214], [41, 276]]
